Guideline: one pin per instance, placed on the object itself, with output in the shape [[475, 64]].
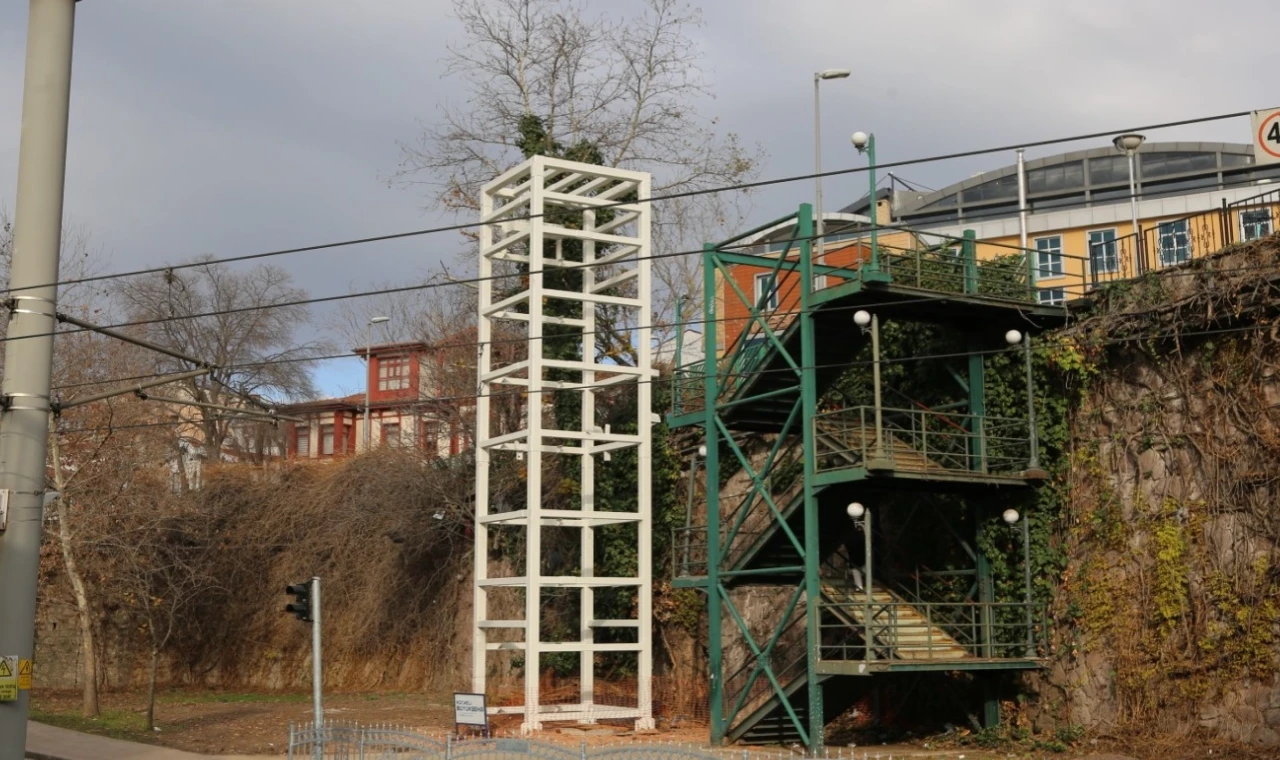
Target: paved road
[[50, 743]]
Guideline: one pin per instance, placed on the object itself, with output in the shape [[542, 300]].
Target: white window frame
[[1168, 256], [398, 381], [333, 439], [1048, 260], [1270, 223], [1115, 251], [1056, 296], [759, 283], [302, 444]]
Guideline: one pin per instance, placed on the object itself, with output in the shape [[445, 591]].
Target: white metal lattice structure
[[530, 218]]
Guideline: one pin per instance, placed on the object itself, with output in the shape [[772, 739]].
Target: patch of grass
[[117, 724], [226, 697]]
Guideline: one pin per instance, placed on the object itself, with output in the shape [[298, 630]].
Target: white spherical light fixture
[[859, 140], [1010, 516], [855, 510], [1013, 337], [702, 451], [862, 317]]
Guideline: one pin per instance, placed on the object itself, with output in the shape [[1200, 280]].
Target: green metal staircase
[[780, 472]]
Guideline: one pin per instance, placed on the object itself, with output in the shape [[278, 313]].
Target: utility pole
[[24, 421]]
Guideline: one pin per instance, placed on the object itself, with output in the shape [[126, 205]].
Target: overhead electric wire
[[668, 196], [520, 392], [1190, 272], [581, 265]]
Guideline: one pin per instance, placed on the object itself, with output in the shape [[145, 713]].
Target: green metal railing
[[919, 440], [924, 632], [743, 528]]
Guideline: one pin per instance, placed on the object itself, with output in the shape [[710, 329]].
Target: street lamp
[[870, 323], [866, 143], [1128, 145], [861, 517], [817, 156], [368, 380], [1011, 517]]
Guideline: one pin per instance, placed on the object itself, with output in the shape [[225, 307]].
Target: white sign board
[[469, 710], [1266, 136]]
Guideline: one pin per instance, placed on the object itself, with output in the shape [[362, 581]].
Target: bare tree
[[161, 568], [630, 86], [75, 469], [249, 334]]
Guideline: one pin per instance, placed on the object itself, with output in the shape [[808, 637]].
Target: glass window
[[430, 437], [1173, 242], [393, 373], [1255, 223], [1237, 159], [1051, 296], [972, 213], [1062, 201], [1102, 251], [1164, 164], [996, 189], [303, 444], [391, 434], [922, 219], [1111, 194], [1052, 179], [947, 201], [764, 283], [1179, 186], [1106, 170], [326, 440], [1049, 255]]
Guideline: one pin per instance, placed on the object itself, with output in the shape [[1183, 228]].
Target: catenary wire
[[668, 196], [582, 265], [1191, 272], [524, 392]]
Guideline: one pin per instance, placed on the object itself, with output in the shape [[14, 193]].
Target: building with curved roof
[[1083, 179], [1079, 221]]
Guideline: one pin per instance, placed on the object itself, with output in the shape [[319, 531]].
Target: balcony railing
[[918, 440], [1158, 245], [916, 632]]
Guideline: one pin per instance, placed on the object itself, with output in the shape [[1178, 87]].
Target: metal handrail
[[916, 439], [950, 631]]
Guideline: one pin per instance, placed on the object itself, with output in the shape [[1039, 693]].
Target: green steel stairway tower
[[792, 470]]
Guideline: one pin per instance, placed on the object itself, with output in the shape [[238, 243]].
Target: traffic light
[[301, 606]]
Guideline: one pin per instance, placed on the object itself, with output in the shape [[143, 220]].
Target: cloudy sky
[[235, 126]]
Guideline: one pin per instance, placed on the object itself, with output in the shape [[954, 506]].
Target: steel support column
[[711, 393], [809, 403]]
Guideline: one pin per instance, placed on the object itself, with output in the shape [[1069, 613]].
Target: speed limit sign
[[1266, 136]]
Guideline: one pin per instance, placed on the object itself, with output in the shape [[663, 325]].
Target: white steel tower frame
[[518, 213]]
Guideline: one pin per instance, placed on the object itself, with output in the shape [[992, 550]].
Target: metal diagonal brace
[[57, 407], [135, 341], [762, 660], [269, 414]]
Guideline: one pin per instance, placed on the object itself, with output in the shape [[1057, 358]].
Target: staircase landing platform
[[866, 668]]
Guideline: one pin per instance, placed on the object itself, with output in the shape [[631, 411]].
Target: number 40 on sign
[[1266, 136]]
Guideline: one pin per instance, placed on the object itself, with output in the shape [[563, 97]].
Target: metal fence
[[350, 741]]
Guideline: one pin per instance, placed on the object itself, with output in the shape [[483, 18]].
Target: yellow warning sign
[[8, 679], [24, 674]]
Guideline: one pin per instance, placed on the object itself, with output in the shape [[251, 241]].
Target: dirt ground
[[229, 723]]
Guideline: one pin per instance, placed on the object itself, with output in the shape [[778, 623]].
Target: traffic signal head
[[301, 606]]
